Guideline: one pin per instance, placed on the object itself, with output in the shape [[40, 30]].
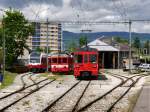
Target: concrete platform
[[143, 103]]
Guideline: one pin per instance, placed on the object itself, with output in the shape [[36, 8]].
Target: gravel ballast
[[39, 100]]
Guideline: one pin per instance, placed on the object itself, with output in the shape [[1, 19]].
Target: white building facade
[[51, 31]]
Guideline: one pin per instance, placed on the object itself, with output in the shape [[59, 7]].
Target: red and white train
[[56, 62], [84, 62], [37, 62], [61, 62]]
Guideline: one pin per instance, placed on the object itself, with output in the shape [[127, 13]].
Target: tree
[[1, 35], [147, 46], [45, 50], [38, 49], [136, 43], [17, 30], [82, 41], [72, 46], [1, 56], [120, 40]]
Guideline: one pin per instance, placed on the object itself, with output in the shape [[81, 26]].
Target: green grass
[[8, 79]]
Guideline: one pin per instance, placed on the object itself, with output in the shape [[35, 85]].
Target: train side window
[[93, 58], [70, 60], [85, 58], [78, 58], [59, 60], [54, 60], [64, 60]]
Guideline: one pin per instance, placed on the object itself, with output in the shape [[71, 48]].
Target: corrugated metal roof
[[101, 46]]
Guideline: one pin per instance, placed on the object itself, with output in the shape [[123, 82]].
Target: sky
[[85, 10]]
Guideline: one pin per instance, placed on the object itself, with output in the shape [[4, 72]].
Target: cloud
[[25, 3], [39, 12], [84, 10]]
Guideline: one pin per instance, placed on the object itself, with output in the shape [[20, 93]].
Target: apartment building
[[51, 32]]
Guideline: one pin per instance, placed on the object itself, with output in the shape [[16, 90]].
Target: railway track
[[61, 103], [34, 82], [22, 79], [74, 109], [113, 89], [24, 86], [121, 76], [64, 104], [122, 96], [30, 90], [57, 104]]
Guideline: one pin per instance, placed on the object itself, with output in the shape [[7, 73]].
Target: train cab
[[37, 62], [86, 63]]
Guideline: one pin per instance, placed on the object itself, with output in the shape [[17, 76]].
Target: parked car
[[144, 67]]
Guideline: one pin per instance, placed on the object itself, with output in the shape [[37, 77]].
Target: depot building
[[109, 56]]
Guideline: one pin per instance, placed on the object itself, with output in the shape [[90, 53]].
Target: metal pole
[[47, 47], [119, 58], [130, 46], [3, 48], [62, 40], [103, 56]]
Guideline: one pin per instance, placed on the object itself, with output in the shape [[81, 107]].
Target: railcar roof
[[59, 55]]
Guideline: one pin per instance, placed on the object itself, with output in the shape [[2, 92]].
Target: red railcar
[[86, 63], [61, 63]]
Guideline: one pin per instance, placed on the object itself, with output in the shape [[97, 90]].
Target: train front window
[[34, 60], [35, 57], [78, 59], [93, 58]]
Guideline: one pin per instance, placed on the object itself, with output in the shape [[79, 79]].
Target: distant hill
[[70, 36]]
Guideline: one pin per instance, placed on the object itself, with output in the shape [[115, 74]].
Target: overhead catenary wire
[[86, 8], [117, 9], [13, 4], [81, 7], [75, 12], [32, 10], [124, 9], [79, 3], [38, 11]]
